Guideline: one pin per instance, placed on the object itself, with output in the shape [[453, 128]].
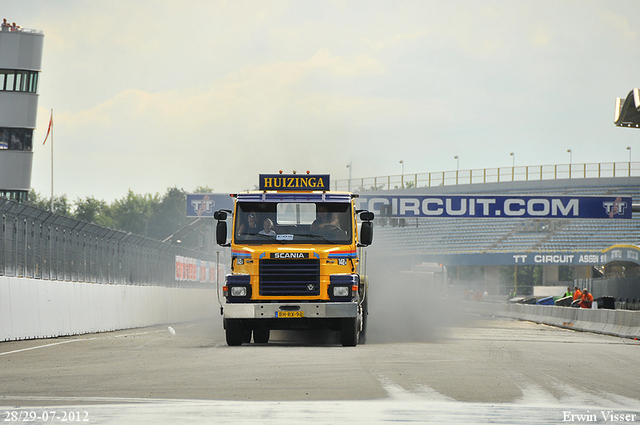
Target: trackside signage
[[498, 206], [205, 204], [194, 270], [621, 253], [524, 258], [294, 182]]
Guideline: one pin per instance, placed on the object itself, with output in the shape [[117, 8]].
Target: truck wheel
[[261, 335], [234, 332], [349, 334]]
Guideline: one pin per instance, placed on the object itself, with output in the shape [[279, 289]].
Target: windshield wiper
[[260, 234], [320, 237]]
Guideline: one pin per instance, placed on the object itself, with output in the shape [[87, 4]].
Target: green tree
[[203, 189], [38, 201], [528, 277], [154, 216], [93, 211], [60, 203], [61, 206], [169, 214], [566, 273], [132, 213]]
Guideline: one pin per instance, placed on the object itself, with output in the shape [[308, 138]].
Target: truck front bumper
[[311, 310]]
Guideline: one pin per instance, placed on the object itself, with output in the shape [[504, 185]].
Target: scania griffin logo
[[288, 255]]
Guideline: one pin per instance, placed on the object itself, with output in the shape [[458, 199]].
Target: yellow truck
[[296, 260]]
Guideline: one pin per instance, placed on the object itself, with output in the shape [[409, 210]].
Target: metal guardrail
[[37, 244], [491, 175], [20, 29]]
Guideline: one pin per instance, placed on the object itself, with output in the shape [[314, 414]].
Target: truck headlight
[[341, 291], [238, 291], [343, 287], [237, 287]]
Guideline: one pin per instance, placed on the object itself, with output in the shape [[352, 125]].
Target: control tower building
[[20, 62]]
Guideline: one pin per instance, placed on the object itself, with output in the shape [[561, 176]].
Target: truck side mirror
[[366, 233], [367, 216], [221, 227], [221, 232]]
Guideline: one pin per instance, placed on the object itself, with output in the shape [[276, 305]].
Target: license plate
[[289, 314]]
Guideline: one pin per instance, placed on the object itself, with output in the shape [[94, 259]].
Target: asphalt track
[[479, 370]]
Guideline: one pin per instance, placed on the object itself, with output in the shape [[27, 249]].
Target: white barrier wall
[[31, 308], [623, 323]]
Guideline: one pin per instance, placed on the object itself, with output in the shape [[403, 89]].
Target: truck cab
[[296, 260]]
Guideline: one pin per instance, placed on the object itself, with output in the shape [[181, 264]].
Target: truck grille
[[290, 277]]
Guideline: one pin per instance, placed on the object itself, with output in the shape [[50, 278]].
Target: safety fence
[[490, 175], [38, 244]]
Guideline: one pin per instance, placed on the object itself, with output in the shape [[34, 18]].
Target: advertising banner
[[523, 258], [404, 206]]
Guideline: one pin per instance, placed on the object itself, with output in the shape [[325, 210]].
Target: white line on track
[[80, 340]]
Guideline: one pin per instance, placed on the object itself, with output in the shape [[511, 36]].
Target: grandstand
[[494, 242], [487, 235], [481, 235]]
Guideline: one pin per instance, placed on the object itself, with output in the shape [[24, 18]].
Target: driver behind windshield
[[251, 226], [326, 220]]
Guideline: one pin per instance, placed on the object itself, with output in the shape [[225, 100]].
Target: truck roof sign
[[294, 197], [294, 182]]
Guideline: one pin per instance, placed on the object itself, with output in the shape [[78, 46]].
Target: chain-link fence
[[37, 244]]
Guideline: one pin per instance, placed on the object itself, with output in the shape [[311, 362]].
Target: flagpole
[[50, 131], [51, 160]]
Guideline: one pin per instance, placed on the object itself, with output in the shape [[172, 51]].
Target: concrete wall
[[622, 323], [31, 308]]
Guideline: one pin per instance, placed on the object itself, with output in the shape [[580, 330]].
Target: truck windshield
[[293, 222]]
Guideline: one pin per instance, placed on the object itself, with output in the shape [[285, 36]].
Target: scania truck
[[296, 260]]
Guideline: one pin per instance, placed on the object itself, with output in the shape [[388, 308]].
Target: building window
[[17, 139], [17, 195], [15, 80]]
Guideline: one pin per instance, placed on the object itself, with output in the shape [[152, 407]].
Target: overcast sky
[[155, 94]]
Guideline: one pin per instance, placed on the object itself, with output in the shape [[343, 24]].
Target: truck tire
[[261, 335], [234, 332], [349, 333]]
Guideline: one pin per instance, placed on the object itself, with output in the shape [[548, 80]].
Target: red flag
[[49, 129]]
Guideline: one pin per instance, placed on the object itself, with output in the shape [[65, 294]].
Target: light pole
[[513, 166], [629, 149], [402, 175], [350, 167], [457, 158], [570, 161]]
